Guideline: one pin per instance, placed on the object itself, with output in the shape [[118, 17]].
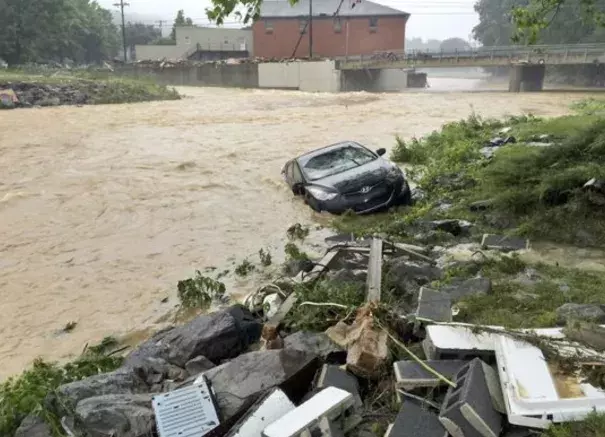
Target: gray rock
[[33, 426], [433, 237], [481, 205], [460, 288], [116, 416], [452, 226], [217, 336], [50, 101], [581, 312], [312, 342], [347, 275], [198, 365], [401, 270], [418, 195], [122, 381], [155, 370], [239, 382], [504, 243]]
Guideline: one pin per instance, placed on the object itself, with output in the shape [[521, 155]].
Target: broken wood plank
[[302, 278], [408, 251], [374, 280]]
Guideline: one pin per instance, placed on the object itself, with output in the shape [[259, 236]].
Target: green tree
[[45, 30], [180, 20], [454, 44], [503, 22], [140, 33], [539, 17]]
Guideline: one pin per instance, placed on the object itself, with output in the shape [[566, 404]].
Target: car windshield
[[336, 161]]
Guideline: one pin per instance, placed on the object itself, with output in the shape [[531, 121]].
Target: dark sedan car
[[347, 176]]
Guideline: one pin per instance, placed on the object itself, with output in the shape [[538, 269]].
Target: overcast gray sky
[[437, 19]]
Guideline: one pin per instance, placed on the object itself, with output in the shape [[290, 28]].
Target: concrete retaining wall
[[279, 75], [236, 76], [318, 76]]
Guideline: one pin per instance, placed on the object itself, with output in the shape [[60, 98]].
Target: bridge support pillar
[[526, 77]]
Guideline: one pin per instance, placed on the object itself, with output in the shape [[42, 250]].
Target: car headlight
[[320, 194]]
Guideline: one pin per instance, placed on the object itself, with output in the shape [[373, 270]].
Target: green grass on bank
[[25, 394], [592, 426], [536, 191], [102, 87], [525, 300]]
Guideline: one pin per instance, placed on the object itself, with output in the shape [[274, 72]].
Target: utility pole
[[161, 24], [310, 29], [121, 5]]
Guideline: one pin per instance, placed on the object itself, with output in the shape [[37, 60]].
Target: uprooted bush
[[536, 190]]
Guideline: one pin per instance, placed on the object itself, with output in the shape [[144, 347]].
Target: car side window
[[297, 175]]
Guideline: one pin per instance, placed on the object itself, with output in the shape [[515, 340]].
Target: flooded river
[[103, 209]]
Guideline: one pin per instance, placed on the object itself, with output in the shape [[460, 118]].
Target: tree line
[[506, 22], [77, 30]]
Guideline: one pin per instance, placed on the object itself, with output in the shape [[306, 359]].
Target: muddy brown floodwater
[[103, 209]]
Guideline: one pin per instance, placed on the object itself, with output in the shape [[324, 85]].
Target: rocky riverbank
[[22, 91], [460, 254]]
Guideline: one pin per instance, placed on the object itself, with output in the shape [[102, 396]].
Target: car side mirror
[[381, 151]]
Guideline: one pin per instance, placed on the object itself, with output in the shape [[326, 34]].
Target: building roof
[[348, 8]]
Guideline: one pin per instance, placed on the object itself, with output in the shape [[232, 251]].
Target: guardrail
[[559, 54]]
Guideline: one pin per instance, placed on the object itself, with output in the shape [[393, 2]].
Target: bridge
[[527, 63], [479, 57]]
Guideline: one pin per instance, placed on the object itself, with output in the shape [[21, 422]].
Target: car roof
[[312, 154]]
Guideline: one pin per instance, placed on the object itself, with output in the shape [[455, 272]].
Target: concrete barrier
[[221, 75], [310, 76], [320, 76], [283, 75]]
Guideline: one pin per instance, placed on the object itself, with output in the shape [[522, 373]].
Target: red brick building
[[359, 28]]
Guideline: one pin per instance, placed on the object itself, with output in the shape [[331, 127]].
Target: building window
[[302, 25], [187, 40], [337, 25], [373, 24], [268, 26]]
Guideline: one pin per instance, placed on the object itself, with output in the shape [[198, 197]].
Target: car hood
[[355, 179]]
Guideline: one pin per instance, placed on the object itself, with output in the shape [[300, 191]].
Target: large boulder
[[581, 312], [116, 416], [316, 343], [198, 365], [238, 383], [33, 426], [217, 336], [121, 381]]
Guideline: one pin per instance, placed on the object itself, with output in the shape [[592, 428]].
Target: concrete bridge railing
[[479, 57]]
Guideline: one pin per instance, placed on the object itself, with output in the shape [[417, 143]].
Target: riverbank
[[64, 88], [465, 188]]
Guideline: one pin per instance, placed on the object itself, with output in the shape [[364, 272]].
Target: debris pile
[[212, 377], [165, 63]]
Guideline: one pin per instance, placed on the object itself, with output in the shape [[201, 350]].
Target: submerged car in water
[[347, 176]]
